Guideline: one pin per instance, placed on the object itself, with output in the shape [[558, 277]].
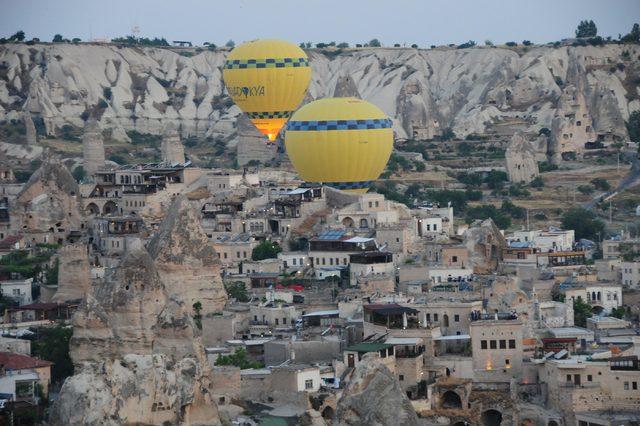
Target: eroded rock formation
[[92, 148], [373, 397], [74, 277], [474, 88], [485, 243], [521, 159], [137, 355], [30, 129], [188, 264], [48, 203], [172, 149]]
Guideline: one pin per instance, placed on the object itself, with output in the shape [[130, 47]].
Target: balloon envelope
[[341, 142], [267, 79]]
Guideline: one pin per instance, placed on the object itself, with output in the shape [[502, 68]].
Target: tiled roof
[[21, 362]]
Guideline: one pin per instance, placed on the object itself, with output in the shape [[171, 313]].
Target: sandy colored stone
[[520, 157]]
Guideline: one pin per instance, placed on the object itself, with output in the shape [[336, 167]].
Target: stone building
[[92, 148], [172, 149], [522, 166]]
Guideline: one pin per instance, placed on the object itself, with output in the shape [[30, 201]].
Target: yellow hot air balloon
[[267, 79], [340, 142]]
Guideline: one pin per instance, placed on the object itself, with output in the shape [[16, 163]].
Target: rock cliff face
[[373, 397], [424, 91], [137, 355], [187, 263], [485, 243]]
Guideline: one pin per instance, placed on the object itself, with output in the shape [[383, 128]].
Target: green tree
[[601, 184], [586, 189], [58, 38], [51, 275], [488, 211], [266, 250], [586, 29], [342, 45], [52, 344], [76, 40], [237, 290], [633, 126], [633, 36], [197, 316], [419, 165], [79, 173], [230, 44], [581, 311], [584, 222], [618, 312], [238, 359], [375, 43], [537, 182], [18, 36]]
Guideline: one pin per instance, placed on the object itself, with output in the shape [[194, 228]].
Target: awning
[[321, 314], [409, 341], [454, 337]]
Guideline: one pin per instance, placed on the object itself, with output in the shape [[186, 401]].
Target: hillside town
[[299, 300], [283, 233]]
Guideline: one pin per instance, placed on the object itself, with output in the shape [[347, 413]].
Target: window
[[331, 261], [503, 344], [377, 203], [454, 259], [568, 377], [435, 317], [506, 362], [428, 317], [401, 377], [626, 385], [294, 261], [277, 321], [284, 320], [512, 344], [308, 384], [456, 318], [238, 254], [634, 385], [370, 204], [225, 255], [493, 344], [483, 344], [589, 378]]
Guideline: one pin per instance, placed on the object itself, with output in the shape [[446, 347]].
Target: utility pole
[[610, 210]]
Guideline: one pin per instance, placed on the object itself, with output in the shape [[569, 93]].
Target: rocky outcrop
[[30, 129], [520, 156], [252, 145], [346, 88], [188, 264], [48, 203], [172, 149], [92, 148], [485, 243], [74, 277], [571, 127], [137, 355], [373, 397], [465, 90]]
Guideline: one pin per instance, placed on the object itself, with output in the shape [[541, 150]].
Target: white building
[[293, 260], [18, 290], [440, 275], [553, 239]]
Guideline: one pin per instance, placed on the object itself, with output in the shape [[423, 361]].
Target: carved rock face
[[137, 352], [373, 396]]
